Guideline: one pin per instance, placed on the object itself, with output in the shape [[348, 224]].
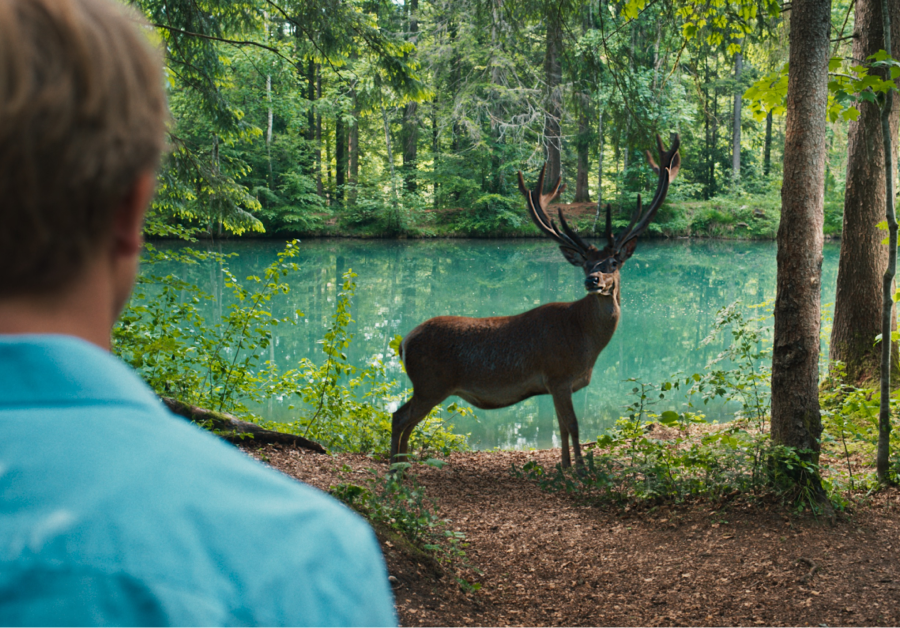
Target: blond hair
[[82, 114]]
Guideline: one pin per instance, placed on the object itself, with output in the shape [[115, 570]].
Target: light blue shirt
[[114, 511]]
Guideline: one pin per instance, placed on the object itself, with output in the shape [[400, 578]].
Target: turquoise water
[[671, 291]]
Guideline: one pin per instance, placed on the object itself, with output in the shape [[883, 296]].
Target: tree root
[[234, 430], [813, 568]]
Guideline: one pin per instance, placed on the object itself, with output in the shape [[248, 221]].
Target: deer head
[[601, 267]]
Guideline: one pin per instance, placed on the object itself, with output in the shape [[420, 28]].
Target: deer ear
[[574, 257], [627, 250]]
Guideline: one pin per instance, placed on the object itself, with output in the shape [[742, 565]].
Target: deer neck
[[600, 316]]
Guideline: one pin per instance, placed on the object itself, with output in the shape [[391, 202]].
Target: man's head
[[82, 121], [82, 115]]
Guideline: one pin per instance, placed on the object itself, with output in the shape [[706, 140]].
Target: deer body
[[551, 350], [499, 361]]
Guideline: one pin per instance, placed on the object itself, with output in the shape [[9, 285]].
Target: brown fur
[[497, 362]]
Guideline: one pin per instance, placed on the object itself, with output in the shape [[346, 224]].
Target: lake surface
[[671, 291]]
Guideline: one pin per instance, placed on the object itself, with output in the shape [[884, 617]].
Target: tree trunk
[[353, 150], [318, 151], [311, 97], [883, 457], [599, 170], [269, 120], [736, 122], [435, 148], [863, 259], [410, 133], [340, 157], [326, 145], [714, 136], [553, 77], [796, 420], [583, 145], [767, 151]]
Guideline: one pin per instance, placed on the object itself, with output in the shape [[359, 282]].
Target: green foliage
[[848, 85], [850, 421], [492, 214], [164, 336], [221, 365], [397, 501], [672, 456]]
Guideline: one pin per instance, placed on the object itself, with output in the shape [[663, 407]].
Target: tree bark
[[340, 157], [234, 430], [553, 77], [883, 457], [410, 132], [863, 259], [353, 150], [736, 122], [796, 419], [583, 145], [318, 138], [767, 150], [599, 170]]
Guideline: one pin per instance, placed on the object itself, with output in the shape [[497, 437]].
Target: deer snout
[[600, 284]]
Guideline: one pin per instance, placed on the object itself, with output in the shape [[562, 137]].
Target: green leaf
[[669, 418]]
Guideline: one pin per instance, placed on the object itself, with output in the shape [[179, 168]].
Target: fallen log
[[234, 430]]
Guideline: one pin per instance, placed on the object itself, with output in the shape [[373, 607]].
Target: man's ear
[[128, 221], [574, 257]]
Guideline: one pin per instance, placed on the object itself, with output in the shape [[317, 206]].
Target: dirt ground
[[546, 561]]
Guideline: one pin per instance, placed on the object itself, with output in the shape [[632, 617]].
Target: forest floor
[[546, 560]]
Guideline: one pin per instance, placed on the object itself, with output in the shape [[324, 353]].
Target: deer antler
[[669, 164], [537, 204]]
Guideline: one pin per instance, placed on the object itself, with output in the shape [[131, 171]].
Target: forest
[[739, 461], [390, 118]]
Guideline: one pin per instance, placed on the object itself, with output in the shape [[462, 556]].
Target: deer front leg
[[568, 426]]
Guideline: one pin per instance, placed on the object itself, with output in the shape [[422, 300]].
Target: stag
[[550, 350]]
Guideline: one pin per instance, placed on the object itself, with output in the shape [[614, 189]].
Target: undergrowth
[[649, 457], [397, 501], [221, 362]]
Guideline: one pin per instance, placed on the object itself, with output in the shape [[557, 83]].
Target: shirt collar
[[55, 369]]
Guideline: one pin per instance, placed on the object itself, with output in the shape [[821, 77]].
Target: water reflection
[[671, 291]]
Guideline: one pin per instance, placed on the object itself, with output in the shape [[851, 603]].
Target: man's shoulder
[[111, 482]]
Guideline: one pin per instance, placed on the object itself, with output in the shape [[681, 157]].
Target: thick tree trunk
[[796, 420], [736, 123], [863, 259], [553, 77]]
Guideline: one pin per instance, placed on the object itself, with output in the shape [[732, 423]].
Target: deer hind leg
[[568, 426], [404, 422]]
